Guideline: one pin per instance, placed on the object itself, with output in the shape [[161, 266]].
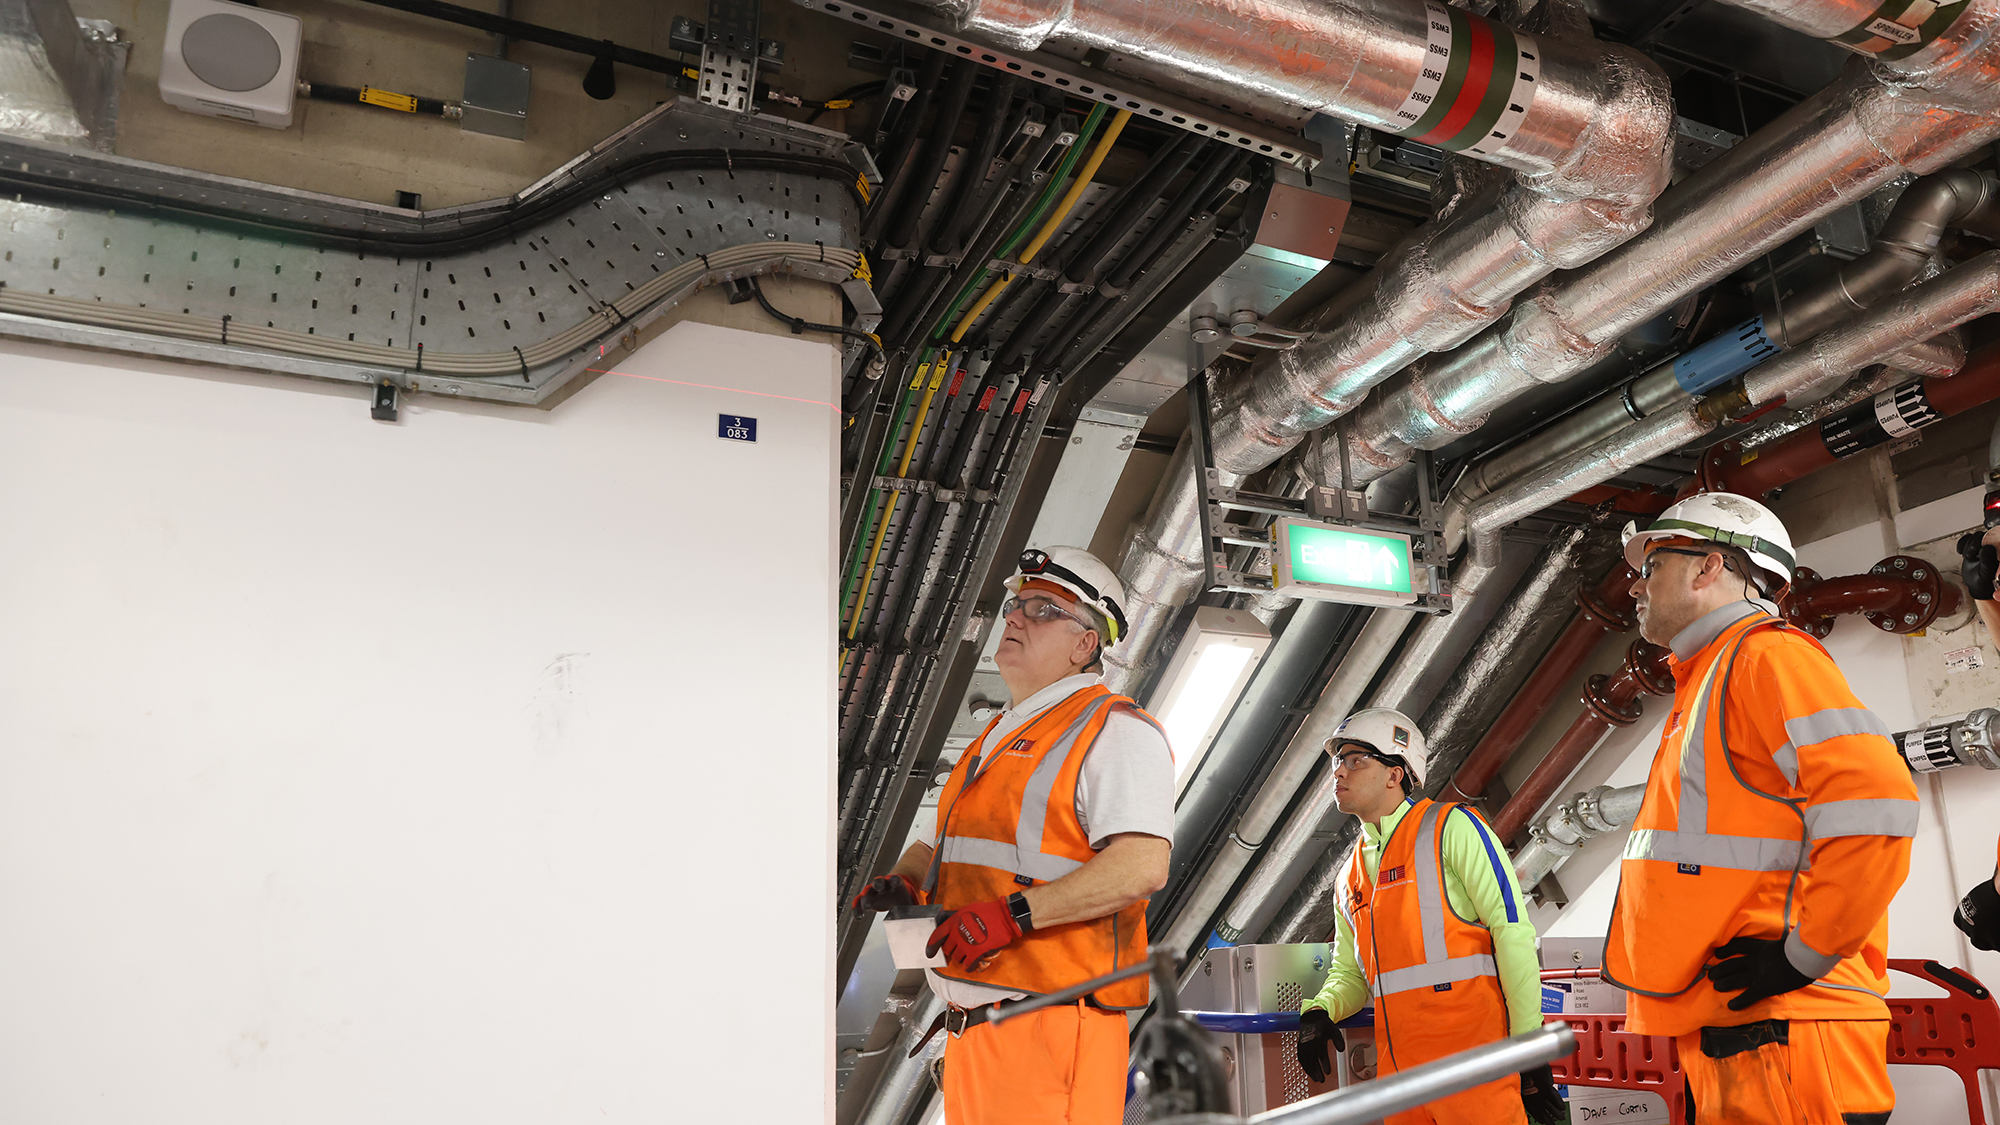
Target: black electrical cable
[[895, 161], [902, 231], [383, 99], [533, 33], [1165, 167], [517, 217], [800, 325], [973, 167]]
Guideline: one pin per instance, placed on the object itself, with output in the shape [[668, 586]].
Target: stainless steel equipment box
[[496, 98], [1264, 1070]]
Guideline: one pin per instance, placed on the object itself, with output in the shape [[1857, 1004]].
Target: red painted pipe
[[1609, 701], [1607, 608], [1900, 594]]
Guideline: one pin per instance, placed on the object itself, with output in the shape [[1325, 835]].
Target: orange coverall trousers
[[1058, 1066], [1790, 1072]]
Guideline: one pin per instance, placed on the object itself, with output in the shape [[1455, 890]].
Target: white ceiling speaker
[[231, 60]]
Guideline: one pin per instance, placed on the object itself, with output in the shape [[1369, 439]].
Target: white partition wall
[[474, 768]]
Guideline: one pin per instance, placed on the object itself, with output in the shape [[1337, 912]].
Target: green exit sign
[[1343, 564]]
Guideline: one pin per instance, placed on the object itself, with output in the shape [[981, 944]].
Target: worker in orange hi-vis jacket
[[1751, 915]]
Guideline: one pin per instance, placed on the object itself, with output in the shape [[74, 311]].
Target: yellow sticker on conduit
[[388, 100]]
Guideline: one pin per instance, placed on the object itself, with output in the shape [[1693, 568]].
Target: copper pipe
[[1609, 701], [1606, 608]]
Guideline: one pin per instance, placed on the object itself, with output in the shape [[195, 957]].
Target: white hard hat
[[1726, 518], [1389, 733], [1078, 571]]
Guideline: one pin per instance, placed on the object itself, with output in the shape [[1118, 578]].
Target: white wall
[[1885, 671], [472, 768]]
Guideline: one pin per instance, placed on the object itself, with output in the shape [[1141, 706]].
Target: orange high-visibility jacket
[[1778, 807], [1009, 823], [1432, 973]]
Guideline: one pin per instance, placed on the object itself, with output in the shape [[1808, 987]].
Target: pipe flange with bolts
[[1803, 580], [1921, 607]]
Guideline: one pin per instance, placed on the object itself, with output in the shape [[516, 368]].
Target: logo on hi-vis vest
[[1019, 749], [1688, 868], [1391, 875], [1445, 987]]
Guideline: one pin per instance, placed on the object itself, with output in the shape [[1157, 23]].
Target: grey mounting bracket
[[729, 56], [1218, 534]]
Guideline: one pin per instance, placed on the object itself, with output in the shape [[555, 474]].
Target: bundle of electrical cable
[[237, 333]]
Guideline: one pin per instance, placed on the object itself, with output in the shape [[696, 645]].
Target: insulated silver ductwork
[[1840, 145], [1936, 306], [904, 1084], [1586, 127], [1902, 252]]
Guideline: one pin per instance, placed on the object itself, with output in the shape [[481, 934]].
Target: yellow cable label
[[917, 380], [861, 269], [937, 376], [388, 100], [861, 185], [840, 103]]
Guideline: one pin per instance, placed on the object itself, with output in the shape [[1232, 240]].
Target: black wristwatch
[[1017, 905]]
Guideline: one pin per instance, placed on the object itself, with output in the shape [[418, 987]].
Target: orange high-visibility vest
[[1435, 981], [1723, 844], [1009, 823]]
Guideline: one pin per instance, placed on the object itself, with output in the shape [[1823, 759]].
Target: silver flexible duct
[[1365, 657], [1903, 250], [1952, 298], [1840, 145]]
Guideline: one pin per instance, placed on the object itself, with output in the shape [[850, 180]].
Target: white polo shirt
[[1126, 785]]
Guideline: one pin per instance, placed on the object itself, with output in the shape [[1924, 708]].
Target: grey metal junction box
[[496, 98]]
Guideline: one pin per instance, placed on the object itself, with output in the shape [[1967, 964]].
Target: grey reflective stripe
[[1738, 853], [1430, 886], [1006, 857], [1692, 816], [1041, 783], [1438, 967], [1810, 730], [1434, 973], [1786, 758], [1881, 817]]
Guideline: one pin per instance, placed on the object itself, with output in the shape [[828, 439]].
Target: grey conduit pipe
[[1364, 659], [1942, 303], [1265, 881]]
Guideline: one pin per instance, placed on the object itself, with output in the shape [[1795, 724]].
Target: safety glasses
[[1039, 610], [1646, 568]]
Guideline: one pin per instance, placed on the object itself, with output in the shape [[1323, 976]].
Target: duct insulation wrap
[[59, 76], [1954, 297], [1835, 148]]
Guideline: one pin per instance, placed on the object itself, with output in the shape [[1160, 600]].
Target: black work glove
[[1980, 563], [885, 891], [1979, 916], [1758, 967], [1316, 1031], [1539, 1097]]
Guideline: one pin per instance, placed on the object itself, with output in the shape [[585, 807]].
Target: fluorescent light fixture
[[1214, 661]]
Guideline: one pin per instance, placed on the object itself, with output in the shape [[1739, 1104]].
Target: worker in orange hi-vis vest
[[1751, 915], [1432, 927], [1052, 831]]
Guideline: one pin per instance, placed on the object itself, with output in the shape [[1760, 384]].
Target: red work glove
[[885, 891], [974, 933]]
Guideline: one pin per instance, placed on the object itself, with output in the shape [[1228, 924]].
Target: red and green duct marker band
[[1476, 84], [1901, 28]]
